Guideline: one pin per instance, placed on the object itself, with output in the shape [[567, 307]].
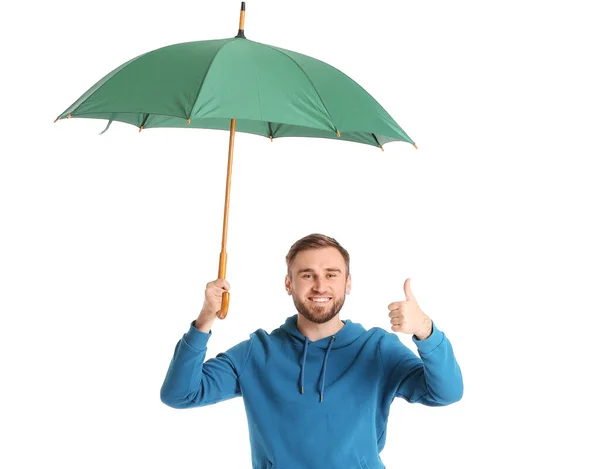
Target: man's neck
[[316, 331]]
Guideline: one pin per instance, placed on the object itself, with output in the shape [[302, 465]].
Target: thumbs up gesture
[[407, 316]]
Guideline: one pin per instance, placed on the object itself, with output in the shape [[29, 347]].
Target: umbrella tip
[[69, 116], [380, 146], [337, 132], [56, 119], [271, 137], [141, 128], [189, 120], [415, 145], [242, 18]]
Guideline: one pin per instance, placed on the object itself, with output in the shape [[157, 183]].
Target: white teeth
[[320, 300]]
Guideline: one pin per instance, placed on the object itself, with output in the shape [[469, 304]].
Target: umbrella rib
[[309, 80], [144, 121]]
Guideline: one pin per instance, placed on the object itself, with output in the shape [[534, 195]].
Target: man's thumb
[[407, 291]]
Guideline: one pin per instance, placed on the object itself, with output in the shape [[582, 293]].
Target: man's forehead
[[319, 259], [328, 255]]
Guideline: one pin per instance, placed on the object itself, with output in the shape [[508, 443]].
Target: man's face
[[318, 283]]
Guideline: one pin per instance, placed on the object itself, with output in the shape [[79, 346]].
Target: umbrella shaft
[[223, 258]]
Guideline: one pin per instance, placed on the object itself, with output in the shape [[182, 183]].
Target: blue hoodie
[[315, 405]]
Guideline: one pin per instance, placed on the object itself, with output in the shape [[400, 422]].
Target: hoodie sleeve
[[433, 380], [193, 382]]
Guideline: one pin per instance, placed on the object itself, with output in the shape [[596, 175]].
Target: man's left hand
[[407, 316]]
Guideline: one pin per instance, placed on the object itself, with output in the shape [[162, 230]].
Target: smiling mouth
[[319, 300]]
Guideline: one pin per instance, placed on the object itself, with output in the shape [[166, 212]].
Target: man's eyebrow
[[329, 269]]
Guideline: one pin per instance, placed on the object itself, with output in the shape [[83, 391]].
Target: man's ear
[[348, 284], [288, 285]]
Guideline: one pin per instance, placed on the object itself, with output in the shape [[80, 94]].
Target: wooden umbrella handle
[[222, 314]]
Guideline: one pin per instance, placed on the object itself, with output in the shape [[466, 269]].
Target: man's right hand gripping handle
[[213, 296]]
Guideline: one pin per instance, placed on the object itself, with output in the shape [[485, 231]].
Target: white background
[[107, 241]]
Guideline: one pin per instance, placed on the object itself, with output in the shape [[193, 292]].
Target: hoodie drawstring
[[322, 390], [303, 362]]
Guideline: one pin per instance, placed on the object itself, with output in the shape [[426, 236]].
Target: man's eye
[[332, 275]]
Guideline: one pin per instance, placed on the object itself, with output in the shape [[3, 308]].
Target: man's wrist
[[426, 331], [203, 324]]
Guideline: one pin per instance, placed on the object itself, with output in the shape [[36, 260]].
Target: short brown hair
[[316, 241]]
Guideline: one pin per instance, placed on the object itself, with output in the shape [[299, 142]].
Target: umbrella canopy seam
[[208, 69], [309, 80]]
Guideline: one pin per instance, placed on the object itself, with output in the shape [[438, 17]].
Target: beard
[[319, 314]]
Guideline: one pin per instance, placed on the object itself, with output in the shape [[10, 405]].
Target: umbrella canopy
[[270, 91]]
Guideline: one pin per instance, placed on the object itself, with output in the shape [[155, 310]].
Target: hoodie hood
[[342, 338], [345, 336]]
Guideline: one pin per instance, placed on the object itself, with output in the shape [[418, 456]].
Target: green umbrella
[[237, 84]]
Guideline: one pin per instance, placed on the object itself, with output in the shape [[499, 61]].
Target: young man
[[317, 390]]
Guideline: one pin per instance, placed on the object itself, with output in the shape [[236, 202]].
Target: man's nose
[[319, 285]]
